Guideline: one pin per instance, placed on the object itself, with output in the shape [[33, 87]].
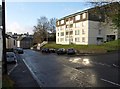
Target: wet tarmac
[[54, 70]]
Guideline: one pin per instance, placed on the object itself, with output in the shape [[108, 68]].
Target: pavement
[[21, 76]]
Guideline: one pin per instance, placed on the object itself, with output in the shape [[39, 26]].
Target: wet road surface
[[52, 70]]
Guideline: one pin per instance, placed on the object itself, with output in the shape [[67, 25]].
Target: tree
[[43, 27], [111, 10], [52, 25]]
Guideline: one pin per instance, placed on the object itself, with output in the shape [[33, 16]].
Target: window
[[61, 39], [99, 31], [58, 34], [62, 33], [83, 39], [71, 25], [77, 25], [83, 24], [71, 32], [77, 39], [77, 17], [83, 31], [77, 32], [67, 26], [66, 33], [62, 21], [84, 15]]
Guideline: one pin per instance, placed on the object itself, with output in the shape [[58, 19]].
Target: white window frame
[[62, 21], [84, 15], [83, 39], [77, 17], [77, 32], [77, 39]]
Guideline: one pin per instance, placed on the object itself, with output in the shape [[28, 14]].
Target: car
[[52, 50], [19, 50], [61, 51], [11, 57], [45, 50], [71, 51]]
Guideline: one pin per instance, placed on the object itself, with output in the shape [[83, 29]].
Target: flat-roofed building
[[84, 28]]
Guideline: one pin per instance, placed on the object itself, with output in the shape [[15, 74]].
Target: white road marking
[[110, 82], [33, 74], [12, 69], [101, 64]]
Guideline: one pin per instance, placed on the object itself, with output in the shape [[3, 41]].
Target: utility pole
[[4, 60]]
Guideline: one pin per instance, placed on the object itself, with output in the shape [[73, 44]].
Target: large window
[[84, 15], [83, 39], [67, 33], [58, 34], [77, 39], [62, 21], [83, 31], [61, 39], [62, 33], [71, 25], [77, 32], [71, 32], [77, 25], [77, 17]]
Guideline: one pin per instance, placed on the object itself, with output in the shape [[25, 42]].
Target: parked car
[[11, 58], [19, 50], [52, 50], [71, 51], [61, 51], [45, 50]]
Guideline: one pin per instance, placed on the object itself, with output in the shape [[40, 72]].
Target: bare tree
[[40, 31], [52, 25]]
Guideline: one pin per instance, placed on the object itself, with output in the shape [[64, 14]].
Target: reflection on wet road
[[65, 71]]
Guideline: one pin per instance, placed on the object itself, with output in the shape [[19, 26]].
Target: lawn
[[106, 47]]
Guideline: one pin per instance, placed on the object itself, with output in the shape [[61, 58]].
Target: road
[[52, 70]]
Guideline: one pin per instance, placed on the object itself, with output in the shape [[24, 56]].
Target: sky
[[22, 16]]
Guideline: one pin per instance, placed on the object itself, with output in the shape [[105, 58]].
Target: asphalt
[[22, 76]]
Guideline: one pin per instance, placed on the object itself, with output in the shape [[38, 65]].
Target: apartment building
[[84, 28]]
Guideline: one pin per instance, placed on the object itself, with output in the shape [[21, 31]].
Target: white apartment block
[[84, 28]]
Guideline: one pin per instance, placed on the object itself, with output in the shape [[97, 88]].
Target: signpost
[[4, 60]]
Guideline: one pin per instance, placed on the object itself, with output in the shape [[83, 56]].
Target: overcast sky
[[22, 16]]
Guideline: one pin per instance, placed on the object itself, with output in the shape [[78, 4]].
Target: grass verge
[[103, 48]]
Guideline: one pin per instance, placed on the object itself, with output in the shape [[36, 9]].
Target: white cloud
[[15, 27]]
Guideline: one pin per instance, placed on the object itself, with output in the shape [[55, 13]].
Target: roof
[[80, 12], [71, 15], [24, 38]]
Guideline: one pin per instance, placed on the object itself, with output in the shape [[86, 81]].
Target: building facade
[[25, 41], [84, 28]]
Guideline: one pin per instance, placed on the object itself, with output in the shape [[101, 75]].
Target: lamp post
[[4, 60]]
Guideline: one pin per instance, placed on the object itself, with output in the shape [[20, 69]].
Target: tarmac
[[22, 77]]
